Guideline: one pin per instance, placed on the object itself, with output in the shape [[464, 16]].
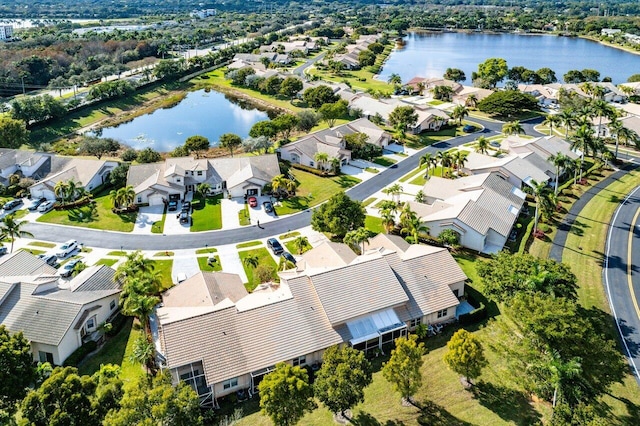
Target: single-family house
[[220, 339], [470, 96], [173, 178], [544, 146], [481, 209], [546, 95], [24, 163], [56, 317], [518, 171]]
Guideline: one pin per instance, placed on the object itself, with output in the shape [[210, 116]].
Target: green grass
[[291, 247], [313, 190], [264, 258], [384, 161], [368, 201], [249, 244], [289, 235], [164, 266], [243, 216], [437, 171], [108, 262], [34, 252], [164, 253], [204, 266], [413, 173], [206, 250], [158, 227], [371, 170], [99, 218], [116, 351], [207, 216], [42, 244], [117, 253], [373, 223], [435, 102], [20, 214]]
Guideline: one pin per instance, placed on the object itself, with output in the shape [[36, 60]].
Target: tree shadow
[[82, 215], [633, 411], [509, 404], [345, 181], [366, 419], [433, 414]]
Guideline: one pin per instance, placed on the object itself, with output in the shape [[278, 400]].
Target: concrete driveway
[[230, 261], [258, 213], [172, 225], [230, 209], [147, 216], [184, 262]]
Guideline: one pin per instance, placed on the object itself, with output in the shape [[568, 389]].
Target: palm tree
[[203, 189], [561, 373], [472, 101], [445, 161], [61, 190], [567, 119], [512, 128], [583, 139], [388, 220], [459, 158], [482, 145], [135, 265], [395, 79], [291, 186], [414, 227], [140, 306], [335, 165], [394, 190], [602, 109], [559, 160], [406, 216], [357, 237], [624, 133], [143, 353], [321, 158], [540, 192], [12, 228], [459, 113], [251, 261], [551, 120], [278, 183], [116, 199], [301, 243], [426, 159], [72, 190]]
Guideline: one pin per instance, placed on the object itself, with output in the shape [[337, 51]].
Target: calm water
[[429, 55], [199, 113]]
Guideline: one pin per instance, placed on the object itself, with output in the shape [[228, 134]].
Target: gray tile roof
[[205, 289], [21, 263]]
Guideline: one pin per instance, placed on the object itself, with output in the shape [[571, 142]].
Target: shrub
[[80, 353], [311, 170], [116, 325], [474, 316], [129, 155]]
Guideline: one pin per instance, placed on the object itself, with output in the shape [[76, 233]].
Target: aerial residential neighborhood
[[324, 213]]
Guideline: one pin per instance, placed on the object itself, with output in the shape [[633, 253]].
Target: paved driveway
[[146, 218], [184, 262], [172, 225], [258, 213], [230, 209], [230, 261]]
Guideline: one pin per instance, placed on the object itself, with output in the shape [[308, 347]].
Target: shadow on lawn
[[366, 419], [509, 404]]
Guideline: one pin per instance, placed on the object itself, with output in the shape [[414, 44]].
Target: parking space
[[259, 213], [147, 216], [172, 225], [229, 210]]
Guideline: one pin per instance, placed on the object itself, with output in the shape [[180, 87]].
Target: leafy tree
[[263, 128], [331, 112], [634, 78], [403, 368], [259, 144], [307, 120], [129, 155], [271, 85], [13, 133], [301, 244], [459, 113], [465, 355], [573, 77], [148, 155], [339, 215], [239, 77], [290, 87], [157, 402], [16, 369], [492, 71], [110, 89], [366, 58], [264, 273], [315, 97], [285, 123], [286, 395], [196, 144], [98, 146], [12, 228], [508, 103], [118, 176], [455, 74], [230, 141], [167, 69], [507, 275], [403, 117], [341, 381], [376, 48], [449, 237], [546, 76]]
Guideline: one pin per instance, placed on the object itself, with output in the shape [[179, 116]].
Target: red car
[[253, 201]]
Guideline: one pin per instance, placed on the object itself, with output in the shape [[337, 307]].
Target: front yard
[[207, 214], [264, 258]]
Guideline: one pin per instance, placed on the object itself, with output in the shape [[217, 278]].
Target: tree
[[230, 141], [449, 237], [12, 228], [395, 79], [167, 69], [403, 117], [16, 369], [157, 402], [357, 237], [321, 158], [263, 128], [546, 76], [122, 196], [261, 144], [507, 103], [139, 304], [403, 368], [444, 157], [301, 244], [13, 133], [507, 275], [290, 87], [583, 139], [148, 155], [376, 48], [339, 215], [465, 355], [459, 113], [341, 381], [315, 97], [264, 273], [482, 145], [285, 394], [203, 189], [366, 58], [394, 191], [197, 144], [331, 112], [573, 77], [512, 128], [307, 120], [429, 160], [455, 74], [143, 353], [551, 120], [251, 261], [560, 161], [118, 176], [285, 123], [492, 71]]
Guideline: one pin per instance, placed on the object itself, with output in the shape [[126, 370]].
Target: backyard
[[207, 214]]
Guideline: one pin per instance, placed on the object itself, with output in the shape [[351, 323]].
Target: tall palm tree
[[560, 161], [12, 228], [321, 158], [135, 265], [395, 79], [251, 261], [116, 199], [513, 128], [567, 119], [472, 101], [459, 158], [357, 238], [551, 120], [278, 183], [291, 186], [583, 139], [459, 113], [540, 192], [426, 159], [602, 109], [414, 227], [445, 161], [482, 145], [203, 189], [388, 220], [394, 191], [140, 306], [301, 244], [143, 353], [61, 189]]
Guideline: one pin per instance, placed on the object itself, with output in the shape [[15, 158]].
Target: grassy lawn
[[413, 173], [368, 201], [289, 235], [437, 171], [371, 170], [291, 247], [313, 190], [163, 253], [108, 262], [42, 244], [206, 250], [429, 138], [158, 227], [207, 215], [384, 161], [164, 266], [206, 267], [373, 223], [99, 218], [116, 351], [264, 258], [117, 253], [243, 216], [249, 244], [34, 252]]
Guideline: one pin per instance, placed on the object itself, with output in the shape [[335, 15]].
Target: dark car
[[186, 206], [173, 206], [268, 207], [288, 257], [184, 217], [50, 259], [3, 251], [275, 246], [34, 204], [469, 128], [253, 201], [12, 205]]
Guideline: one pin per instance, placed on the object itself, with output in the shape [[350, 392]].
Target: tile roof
[[21, 263], [205, 289]]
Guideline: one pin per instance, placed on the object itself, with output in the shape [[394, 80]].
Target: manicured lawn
[[164, 266], [99, 218], [368, 201], [384, 161], [206, 250], [249, 244], [117, 253], [163, 253], [243, 216], [158, 227], [313, 190], [373, 223], [207, 216], [437, 171], [289, 235], [264, 258], [108, 262], [116, 351], [34, 252], [291, 247], [42, 244], [413, 173], [205, 266]]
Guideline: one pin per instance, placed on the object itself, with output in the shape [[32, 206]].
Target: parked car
[[46, 206], [181, 277], [68, 267], [513, 235], [3, 251], [67, 248], [186, 206], [50, 259], [173, 206], [184, 217], [468, 128], [33, 205], [275, 246], [288, 257], [12, 205], [253, 201], [268, 207]]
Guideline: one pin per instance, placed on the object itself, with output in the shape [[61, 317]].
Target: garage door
[[155, 200]]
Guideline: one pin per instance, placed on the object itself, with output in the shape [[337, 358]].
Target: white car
[[67, 248], [46, 206]]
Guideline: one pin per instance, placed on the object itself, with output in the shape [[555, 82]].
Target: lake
[[209, 114], [430, 54]]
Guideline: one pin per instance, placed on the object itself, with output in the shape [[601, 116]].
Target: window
[[45, 357], [301, 360], [91, 323], [442, 313], [178, 180], [414, 322], [112, 305], [231, 383], [199, 172], [139, 199], [311, 163]]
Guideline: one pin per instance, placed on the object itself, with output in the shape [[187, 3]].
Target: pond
[[209, 114], [430, 54]]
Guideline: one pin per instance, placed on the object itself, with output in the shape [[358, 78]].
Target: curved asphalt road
[[127, 241]]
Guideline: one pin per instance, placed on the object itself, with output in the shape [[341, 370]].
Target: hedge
[[311, 170], [474, 316], [80, 353], [116, 325]]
